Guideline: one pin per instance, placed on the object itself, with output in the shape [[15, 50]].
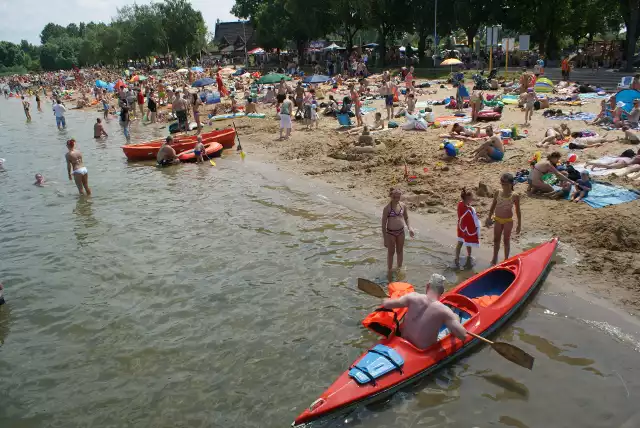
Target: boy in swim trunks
[[98, 129], [76, 167], [198, 150], [530, 100], [503, 203]]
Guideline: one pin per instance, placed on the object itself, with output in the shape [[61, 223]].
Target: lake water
[[213, 297]]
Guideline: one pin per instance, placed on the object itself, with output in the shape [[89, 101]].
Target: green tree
[[348, 17], [51, 31], [388, 17], [630, 10], [184, 27]]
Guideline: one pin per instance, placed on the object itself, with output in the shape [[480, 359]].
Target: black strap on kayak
[[388, 358], [367, 374], [395, 319]]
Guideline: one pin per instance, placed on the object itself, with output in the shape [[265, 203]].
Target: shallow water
[[201, 297]]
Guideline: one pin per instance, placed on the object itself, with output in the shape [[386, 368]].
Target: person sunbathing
[[555, 134], [615, 163], [593, 141], [471, 132]]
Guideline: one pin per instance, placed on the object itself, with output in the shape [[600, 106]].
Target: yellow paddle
[[508, 351]]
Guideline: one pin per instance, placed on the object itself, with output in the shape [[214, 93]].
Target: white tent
[[333, 47]]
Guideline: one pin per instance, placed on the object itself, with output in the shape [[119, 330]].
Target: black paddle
[[508, 351], [239, 149]]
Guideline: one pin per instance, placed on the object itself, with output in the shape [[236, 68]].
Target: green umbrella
[[272, 78]]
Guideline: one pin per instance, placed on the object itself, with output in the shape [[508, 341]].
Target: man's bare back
[[424, 318]]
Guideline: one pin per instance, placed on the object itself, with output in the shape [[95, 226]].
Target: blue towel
[[577, 116], [367, 109], [605, 194]]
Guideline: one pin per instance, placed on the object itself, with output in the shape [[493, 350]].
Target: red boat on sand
[[484, 303], [149, 150]]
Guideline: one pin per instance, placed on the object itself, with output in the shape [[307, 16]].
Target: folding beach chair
[[625, 82], [344, 120]]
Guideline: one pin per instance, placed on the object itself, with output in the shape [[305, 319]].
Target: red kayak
[[149, 150], [212, 150], [484, 303]]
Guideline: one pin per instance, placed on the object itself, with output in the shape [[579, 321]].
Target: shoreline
[[367, 179], [560, 296]]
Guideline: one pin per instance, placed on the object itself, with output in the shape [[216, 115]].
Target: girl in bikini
[[503, 203], [395, 218]]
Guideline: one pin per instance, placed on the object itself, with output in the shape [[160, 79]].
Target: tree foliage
[[135, 33]]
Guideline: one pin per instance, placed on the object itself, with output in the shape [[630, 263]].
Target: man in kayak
[[426, 315], [167, 155]]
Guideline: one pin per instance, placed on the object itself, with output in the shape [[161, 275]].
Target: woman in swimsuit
[[617, 163], [503, 203], [356, 102], [76, 167], [552, 135], [395, 219], [545, 167], [195, 105]]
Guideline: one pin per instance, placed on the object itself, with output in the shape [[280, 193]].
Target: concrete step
[[604, 79]]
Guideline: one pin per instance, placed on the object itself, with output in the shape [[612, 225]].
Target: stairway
[[602, 78]]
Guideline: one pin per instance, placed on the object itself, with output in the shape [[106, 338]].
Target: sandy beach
[[606, 240]]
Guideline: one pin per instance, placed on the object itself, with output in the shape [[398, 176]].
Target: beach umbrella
[[316, 78], [272, 78], [543, 85], [138, 78], [256, 51], [198, 69], [182, 70], [101, 84], [119, 84], [333, 47], [239, 72], [203, 82], [370, 45], [451, 61]]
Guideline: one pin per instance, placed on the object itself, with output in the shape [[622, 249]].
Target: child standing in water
[[503, 203], [395, 219], [468, 227], [199, 150]]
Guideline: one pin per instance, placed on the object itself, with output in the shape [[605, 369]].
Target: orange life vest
[[387, 321]]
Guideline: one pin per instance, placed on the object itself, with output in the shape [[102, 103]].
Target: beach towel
[[510, 99], [577, 116], [605, 194], [593, 96], [450, 120], [366, 110], [468, 226]]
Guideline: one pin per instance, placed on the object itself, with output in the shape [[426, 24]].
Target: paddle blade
[[212, 162], [371, 288], [514, 354], [242, 154]]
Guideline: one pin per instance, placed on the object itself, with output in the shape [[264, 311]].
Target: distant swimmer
[[59, 110], [167, 155], [38, 102], [39, 180], [1, 296], [76, 167], [26, 105], [98, 129]]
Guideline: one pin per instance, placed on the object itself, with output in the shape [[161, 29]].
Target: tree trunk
[[300, 47], [383, 45], [632, 29], [349, 38], [422, 44], [471, 34]]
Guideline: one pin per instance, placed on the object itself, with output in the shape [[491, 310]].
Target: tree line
[[136, 32], [551, 24]]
